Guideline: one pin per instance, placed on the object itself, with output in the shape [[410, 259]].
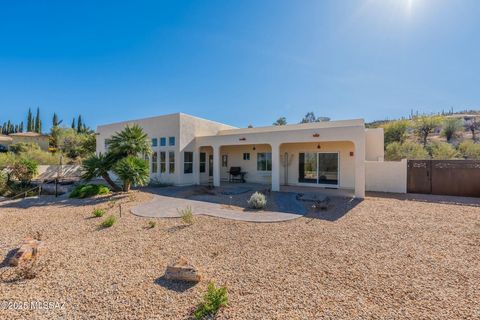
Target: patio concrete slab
[[167, 207]]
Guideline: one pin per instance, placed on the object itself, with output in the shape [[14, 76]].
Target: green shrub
[[408, 150], [3, 182], [257, 201], [470, 150], [151, 224], [88, 190], [110, 221], [186, 215], [22, 147], [450, 129], [132, 170], [395, 131], [443, 151], [214, 299], [24, 170], [98, 212]]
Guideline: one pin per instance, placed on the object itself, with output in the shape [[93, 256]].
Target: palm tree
[[98, 166], [131, 141], [132, 170]]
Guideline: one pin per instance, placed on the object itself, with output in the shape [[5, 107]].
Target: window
[[246, 156], [171, 141], [187, 162], [154, 142], [264, 161], [155, 162], [224, 160], [163, 142], [171, 162], [107, 142], [163, 161], [203, 162]]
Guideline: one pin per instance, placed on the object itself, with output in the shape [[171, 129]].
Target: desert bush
[[97, 212], [24, 170], [151, 224], [257, 201], [214, 299], [7, 159], [443, 151], [469, 150], [88, 190], [3, 182], [22, 147], [186, 215], [408, 150], [110, 221], [395, 131], [424, 125]]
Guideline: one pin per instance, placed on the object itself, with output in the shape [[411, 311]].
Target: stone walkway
[[166, 207]]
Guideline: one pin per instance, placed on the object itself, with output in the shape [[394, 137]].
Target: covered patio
[[327, 158]]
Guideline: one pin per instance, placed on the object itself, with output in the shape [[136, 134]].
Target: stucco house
[[343, 154], [41, 140]]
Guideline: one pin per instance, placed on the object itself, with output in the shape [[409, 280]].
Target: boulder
[[30, 250], [182, 270]]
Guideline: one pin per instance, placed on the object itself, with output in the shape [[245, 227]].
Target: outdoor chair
[[236, 174]]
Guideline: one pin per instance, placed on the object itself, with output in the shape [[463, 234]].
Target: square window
[[246, 156], [171, 141], [163, 142], [154, 142]]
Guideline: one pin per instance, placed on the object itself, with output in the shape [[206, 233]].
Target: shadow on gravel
[[177, 286], [337, 208], [10, 254], [44, 201], [429, 198]]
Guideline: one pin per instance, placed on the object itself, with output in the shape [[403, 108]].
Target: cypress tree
[[55, 120], [73, 123], [38, 122], [20, 127], [29, 121], [79, 123]]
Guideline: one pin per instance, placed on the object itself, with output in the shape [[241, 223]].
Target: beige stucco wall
[[386, 176], [42, 141], [374, 150]]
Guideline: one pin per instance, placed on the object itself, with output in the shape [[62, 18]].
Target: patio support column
[[359, 169], [216, 166], [275, 167], [196, 166]]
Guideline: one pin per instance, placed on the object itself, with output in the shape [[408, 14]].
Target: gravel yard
[[385, 258]]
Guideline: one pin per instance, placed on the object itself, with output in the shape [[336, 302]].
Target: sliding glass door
[[318, 168]]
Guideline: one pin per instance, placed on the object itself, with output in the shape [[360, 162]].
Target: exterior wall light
[[316, 135]]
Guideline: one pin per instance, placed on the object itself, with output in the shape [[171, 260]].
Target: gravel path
[[384, 259]]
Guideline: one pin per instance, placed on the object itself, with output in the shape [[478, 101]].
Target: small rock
[[182, 270], [29, 250]]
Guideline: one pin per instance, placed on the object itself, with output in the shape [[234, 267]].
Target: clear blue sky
[[238, 62]]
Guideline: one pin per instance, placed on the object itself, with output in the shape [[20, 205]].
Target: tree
[[55, 121], [20, 127], [424, 125], [38, 122], [310, 117], [395, 131], [132, 170], [131, 141], [79, 124], [397, 151], [451, 126], [73, 123], [280, 121], [99, 166], [472, 125], [29, 121]]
